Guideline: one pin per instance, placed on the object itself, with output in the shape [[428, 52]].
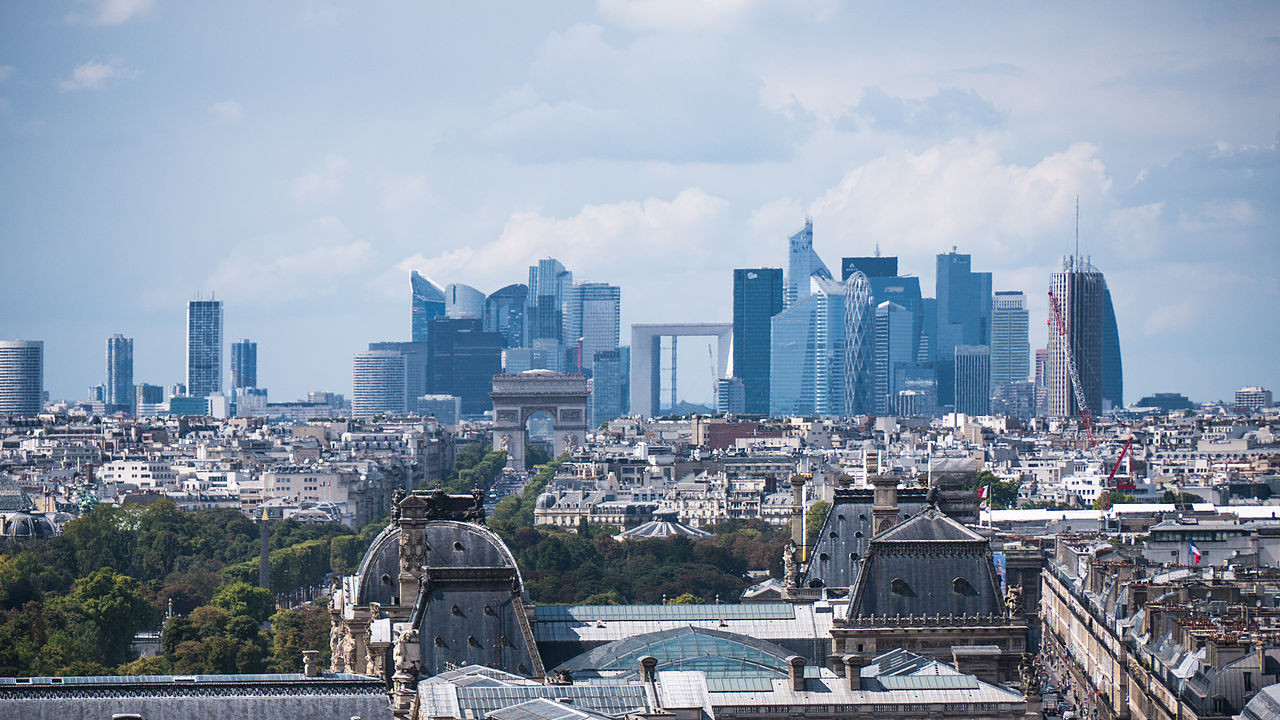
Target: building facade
[[1079, 292], [244, 364], [1010, 343], [417, 357], [1253, 398], [119, 388], [609, 387], [463, 302], [757, 297], [378, 383], [894, 348], [204, 347], [549, 285], [463, 360], [21, 377], [592, 323], [504, 313], [964, 315], [428, 304], [803, 263], [973, 379]]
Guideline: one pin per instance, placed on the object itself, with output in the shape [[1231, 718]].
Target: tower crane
[[1085, 418]]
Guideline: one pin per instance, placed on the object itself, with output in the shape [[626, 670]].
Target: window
[[898, 586], [960, 586], [1248, 682]]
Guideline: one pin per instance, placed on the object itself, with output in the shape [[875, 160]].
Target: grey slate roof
[[916, 569], [842, 544], [12, 497]]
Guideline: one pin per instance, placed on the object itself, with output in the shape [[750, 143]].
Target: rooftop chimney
[[795, 671], [853, 664], [884, 508]]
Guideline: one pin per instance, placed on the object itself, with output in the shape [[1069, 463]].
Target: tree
[[244, 599], [813, 521], [685, 599]]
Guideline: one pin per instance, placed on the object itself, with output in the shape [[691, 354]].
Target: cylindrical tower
[[21, 377]]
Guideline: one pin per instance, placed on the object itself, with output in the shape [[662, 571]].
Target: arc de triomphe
[[516, 397]]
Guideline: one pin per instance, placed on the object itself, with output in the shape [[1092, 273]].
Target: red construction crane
[[1128, 482], [1085, 419]]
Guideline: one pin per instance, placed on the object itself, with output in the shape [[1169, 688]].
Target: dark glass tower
[[463, 360], [244, 364], [964, 316], [119, 397], [204, 348], [504, 313], [428, 303], [757, 297], [549, 285], [1112, 367]]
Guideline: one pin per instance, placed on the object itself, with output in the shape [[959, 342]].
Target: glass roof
[[591, 613], [715, 653]]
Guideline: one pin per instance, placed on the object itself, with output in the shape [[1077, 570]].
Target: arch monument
[[515, 397]]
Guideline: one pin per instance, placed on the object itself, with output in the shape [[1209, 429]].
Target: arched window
[[898, 586], [961, 586]]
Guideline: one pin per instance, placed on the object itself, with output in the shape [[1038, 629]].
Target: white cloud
[[111, 12], [7, 72], [227, 111], [299, 265], [94, 75], [1137, 231], [320, 184], [704, 15]]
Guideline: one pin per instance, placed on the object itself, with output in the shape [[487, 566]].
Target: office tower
[[98, 393], [463, 302], [803, 263], [964, 316], [1112, 366], [1010, 346], [177, 390], [244, 364], [549, 284], [204, 347], [592, 323], [731, 396], [21, 377], [894, 348], [610, 389], [504, 313], [1252, 398], [973, 379], [428, 304], [463, 360], [445, 408], [757, 297], [917, 394], [872, 267], [119, 387], [148, 400], [1080, 294], [819, 362], [1014, 399], [378, 383], [517, 360], [928, 329], [417, 361], [1042, 366]]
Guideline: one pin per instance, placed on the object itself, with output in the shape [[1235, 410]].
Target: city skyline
[[180, 175]]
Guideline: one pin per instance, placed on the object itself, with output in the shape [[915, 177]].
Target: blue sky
[[298, 159]]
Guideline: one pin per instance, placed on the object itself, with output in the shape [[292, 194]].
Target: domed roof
[[450, 543], [27, 525]]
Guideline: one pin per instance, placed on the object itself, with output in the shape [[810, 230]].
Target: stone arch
[[516, 397]]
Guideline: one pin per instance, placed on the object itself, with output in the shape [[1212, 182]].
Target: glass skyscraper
[[757, 297], [119, 389], [504, 313], [463, 302], [428, 303], [463, 360], [21, 377], [378, 383], [964, 316], [204, 347], [1080, 292], [416, 359], [820, 356], [973, 379], [244, 364], [610, 389], [549, 284], [803, 263], [1010, 344], [894, 348], [1112, 366], [593, 313]]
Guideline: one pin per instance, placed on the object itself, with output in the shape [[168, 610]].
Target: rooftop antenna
[[877, 249], [1077, 261]]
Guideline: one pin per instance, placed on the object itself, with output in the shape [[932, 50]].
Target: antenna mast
[[1077, 259]]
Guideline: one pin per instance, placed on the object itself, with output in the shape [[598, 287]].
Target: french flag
[[1195, 552]]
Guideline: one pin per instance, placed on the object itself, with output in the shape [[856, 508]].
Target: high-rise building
[[757, 297], [428, 304], [504, 313], [417, 360], [1112, 365], [119, 388], [1253, 398], [592, 323], [894, 347], [378, 383], [731, 396], [244, 364], [973, 379], [204, 347], [964, 316], [1079, 291], [1010, 344], [148, 400], [21, 377], [549, 284], [463, 302], [872, 267], [463, 360], [820, 360], [610, 389], [803, 263], [1041, 391]]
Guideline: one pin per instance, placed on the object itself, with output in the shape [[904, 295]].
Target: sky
[[297, 160]]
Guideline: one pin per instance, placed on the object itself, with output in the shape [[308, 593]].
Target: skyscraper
[[803, 263], [378, 383], [973, 379], [463, 360], [1080, 294], [872, 267], [964, 316], [593, 313], [894, 348], [119, 389], [757, 297], [463, 302], [417, 359], [610, 390], [820, 359], [21, 377], [549, 284], [1112, 366], [244, 364], [428, 303], [204, 347], [504, 313], [1041, 376], [1010, 346]]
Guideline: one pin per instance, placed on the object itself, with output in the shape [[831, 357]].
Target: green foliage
[[685, 599], [291, 567], [516, 511], [243, 599], [295, 631], [1107, 499], [1004, 493], [813, 521], [1044, 505], [1180, 498], [474, 466], [535, 455]]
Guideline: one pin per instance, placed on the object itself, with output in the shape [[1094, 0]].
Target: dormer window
[[961, 586], [898, 586]]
